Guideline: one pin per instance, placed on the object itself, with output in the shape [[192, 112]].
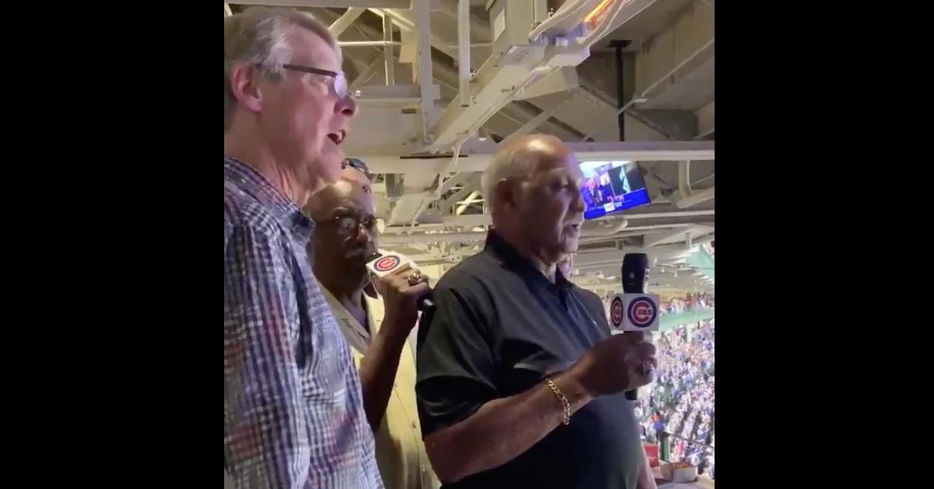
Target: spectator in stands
[[683, 392]]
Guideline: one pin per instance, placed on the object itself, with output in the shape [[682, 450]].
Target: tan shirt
[[400, 452]]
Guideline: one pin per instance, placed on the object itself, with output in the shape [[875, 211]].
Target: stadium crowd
[[680, 403], [677, 305]]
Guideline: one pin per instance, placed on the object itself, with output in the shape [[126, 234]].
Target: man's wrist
[[396, 329], [570, 385]]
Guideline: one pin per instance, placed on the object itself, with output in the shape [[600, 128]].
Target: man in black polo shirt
[[565, 265], [520, 383]]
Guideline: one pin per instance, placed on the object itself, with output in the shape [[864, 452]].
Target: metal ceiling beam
[[406, 20], [463, 51], [535, 122], [661, 215], [644, 150], [645, 92], [702, 179], [458, 179], [403, 4], [427, 110], [478, 28], [516, 65], [513, 112], [388, 62], [704, 134], [663, 252], [365, 75], [688, 197], [654, 239], [596, 234], [469, 186], [368, 44], [468, 236], [403, 239], [444, 74], [474, 220], [619, 150], [341, 24], [706, 116], [695, 198], [473, 198]]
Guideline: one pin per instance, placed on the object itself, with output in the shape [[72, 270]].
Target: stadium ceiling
[[435, 78]]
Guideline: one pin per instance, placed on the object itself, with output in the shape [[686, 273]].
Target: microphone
[[380, 265], [635, 271]]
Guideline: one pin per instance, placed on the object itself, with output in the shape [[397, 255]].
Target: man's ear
[[244, 85], [505, 193]]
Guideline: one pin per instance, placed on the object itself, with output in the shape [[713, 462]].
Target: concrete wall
[[599, 70], [659, 54], [705, 118]]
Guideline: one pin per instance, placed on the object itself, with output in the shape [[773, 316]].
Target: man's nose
[[347, 106], [577, 203]]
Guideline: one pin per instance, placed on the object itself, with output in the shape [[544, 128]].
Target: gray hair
[[508, 164], [258, 36]]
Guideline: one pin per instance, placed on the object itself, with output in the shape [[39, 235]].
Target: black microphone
[[635, 277]]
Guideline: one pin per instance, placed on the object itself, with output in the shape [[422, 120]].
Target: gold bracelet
[[566, 415]]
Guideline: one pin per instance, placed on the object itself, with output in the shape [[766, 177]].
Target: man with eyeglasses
[[377, 331], [293, 408]]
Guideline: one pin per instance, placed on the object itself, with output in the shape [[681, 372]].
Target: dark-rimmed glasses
[[348, 222], [338, 82]]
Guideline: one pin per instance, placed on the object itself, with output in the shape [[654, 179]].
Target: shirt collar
[[509, 255], [250, 181], [356, 335]]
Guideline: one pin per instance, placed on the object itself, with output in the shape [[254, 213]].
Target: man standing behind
[[293, 413], [346, 234], [520, 383]]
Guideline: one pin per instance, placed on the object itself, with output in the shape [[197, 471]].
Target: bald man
[[376, 331], [520, 383]]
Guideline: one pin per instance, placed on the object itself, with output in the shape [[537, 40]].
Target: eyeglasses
[[347, 223], [338, 82], [356, 164]]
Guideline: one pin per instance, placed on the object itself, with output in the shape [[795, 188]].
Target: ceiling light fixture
[[599, 9]]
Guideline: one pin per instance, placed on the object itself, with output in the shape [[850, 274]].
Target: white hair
[[258, 36], [508, 164]]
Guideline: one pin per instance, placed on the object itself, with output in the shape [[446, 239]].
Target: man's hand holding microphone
[[623, 362], [619, 363], [404, 289]]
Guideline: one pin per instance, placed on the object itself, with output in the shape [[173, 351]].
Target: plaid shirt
[[293, 408]]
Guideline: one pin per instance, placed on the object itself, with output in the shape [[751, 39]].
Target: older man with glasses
[[293, 407], [377, 318]]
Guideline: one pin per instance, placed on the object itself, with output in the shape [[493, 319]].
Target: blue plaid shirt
[[293, 408]]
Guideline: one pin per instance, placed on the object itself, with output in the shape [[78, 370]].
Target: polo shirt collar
[[509, 255]]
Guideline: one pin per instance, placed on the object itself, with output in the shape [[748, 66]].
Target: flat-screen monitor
[[611, 186]]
